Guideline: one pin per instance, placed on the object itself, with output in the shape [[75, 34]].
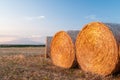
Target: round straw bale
[[97, 48], [62, 50]]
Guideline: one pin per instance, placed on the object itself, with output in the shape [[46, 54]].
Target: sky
[[35, 19]]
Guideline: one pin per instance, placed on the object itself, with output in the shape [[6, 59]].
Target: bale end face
[[62, 50], [96, 49]]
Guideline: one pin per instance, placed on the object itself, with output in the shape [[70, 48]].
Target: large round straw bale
[[97, 48], [62, 50]]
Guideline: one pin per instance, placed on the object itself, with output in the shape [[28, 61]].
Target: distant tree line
[[19, 45]]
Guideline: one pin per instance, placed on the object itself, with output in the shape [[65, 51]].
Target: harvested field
[[36, 67], [25, 51]]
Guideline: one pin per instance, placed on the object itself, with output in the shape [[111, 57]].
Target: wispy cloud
[[35, 18], [38, 38], [100, 18], [6, 38], [92, 17], [12, 39], [40, 17], [35, 35]]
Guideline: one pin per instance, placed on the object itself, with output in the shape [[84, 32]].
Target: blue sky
[[37, 18]]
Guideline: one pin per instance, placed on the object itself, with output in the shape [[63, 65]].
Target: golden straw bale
[[97, 48], [62, 50]]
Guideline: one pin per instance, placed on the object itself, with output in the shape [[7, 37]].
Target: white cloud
[[40, 17], [28, 18], [35, 36], [35, 18], [38, 39], [6, 39], [92, 17]]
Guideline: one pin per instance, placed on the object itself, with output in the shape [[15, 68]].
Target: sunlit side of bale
[[63, 50], [97, 48]]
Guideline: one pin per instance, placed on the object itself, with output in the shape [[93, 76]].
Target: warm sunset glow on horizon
[[25, 18], [6, 39]]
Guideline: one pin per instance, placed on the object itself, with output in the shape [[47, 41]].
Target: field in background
[[22, 50], [19, 45], [29, 63]]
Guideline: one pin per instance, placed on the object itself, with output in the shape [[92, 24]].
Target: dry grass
[[25, 51], [36, 67]]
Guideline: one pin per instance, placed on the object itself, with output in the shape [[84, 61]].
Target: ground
[[29, 64]]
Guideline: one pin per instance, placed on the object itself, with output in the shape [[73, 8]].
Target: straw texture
[[97, 48], [62, 50]]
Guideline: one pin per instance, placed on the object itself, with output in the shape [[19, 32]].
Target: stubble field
[[30, 64]]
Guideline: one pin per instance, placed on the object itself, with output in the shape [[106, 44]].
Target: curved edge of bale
[[62, 50], [96, 49]]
